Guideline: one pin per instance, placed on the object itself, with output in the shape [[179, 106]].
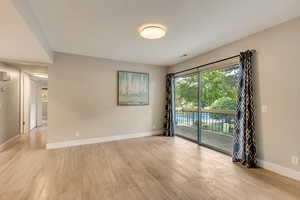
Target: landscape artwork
[[133, 88]]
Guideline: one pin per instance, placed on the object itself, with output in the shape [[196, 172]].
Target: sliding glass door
[[186, 98], [218, 98], [205, 107]]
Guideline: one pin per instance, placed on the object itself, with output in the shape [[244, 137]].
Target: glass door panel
[[218, 96], [186, 103]]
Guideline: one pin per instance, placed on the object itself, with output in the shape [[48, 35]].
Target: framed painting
[[133, 88]]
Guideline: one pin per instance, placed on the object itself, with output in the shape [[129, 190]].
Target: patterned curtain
[[170, 124], [244, 148]]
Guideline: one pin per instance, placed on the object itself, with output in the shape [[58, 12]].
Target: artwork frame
[[139, 96]]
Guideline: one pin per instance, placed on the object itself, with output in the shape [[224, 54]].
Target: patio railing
[[218, 121]]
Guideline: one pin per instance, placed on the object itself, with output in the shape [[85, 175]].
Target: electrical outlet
[[294, 160], [77, 134]]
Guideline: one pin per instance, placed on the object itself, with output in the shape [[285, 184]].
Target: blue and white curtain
[[244, 147], [170, 107]]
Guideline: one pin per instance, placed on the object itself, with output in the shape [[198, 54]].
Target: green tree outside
[[218, 90]]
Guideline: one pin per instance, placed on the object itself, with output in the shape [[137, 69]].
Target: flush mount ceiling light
[[152, 31], [40, 75]]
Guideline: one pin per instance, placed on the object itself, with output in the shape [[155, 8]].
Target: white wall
[[33, 104], [9, 104], [277, 86], [83, 99], [25, 103]]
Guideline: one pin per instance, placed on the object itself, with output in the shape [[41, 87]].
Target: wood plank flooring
[[151, 168]]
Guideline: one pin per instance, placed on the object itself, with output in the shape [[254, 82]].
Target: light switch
[[294, 160], [264, 108]]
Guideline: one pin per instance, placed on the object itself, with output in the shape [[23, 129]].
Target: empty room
[[149, 99]]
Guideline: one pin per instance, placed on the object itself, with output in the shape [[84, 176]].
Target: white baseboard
[[284, 171], [8, 143], [55, 145]]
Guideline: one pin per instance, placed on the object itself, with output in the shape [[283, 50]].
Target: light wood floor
[[150, 168]]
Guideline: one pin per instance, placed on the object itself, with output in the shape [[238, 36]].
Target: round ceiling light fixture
[[152, 31]]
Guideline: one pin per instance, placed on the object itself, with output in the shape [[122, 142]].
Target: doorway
[[34, 100], [44, 106], [205, 104]]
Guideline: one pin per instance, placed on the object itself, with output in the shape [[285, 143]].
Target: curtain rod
[[211, 63]]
